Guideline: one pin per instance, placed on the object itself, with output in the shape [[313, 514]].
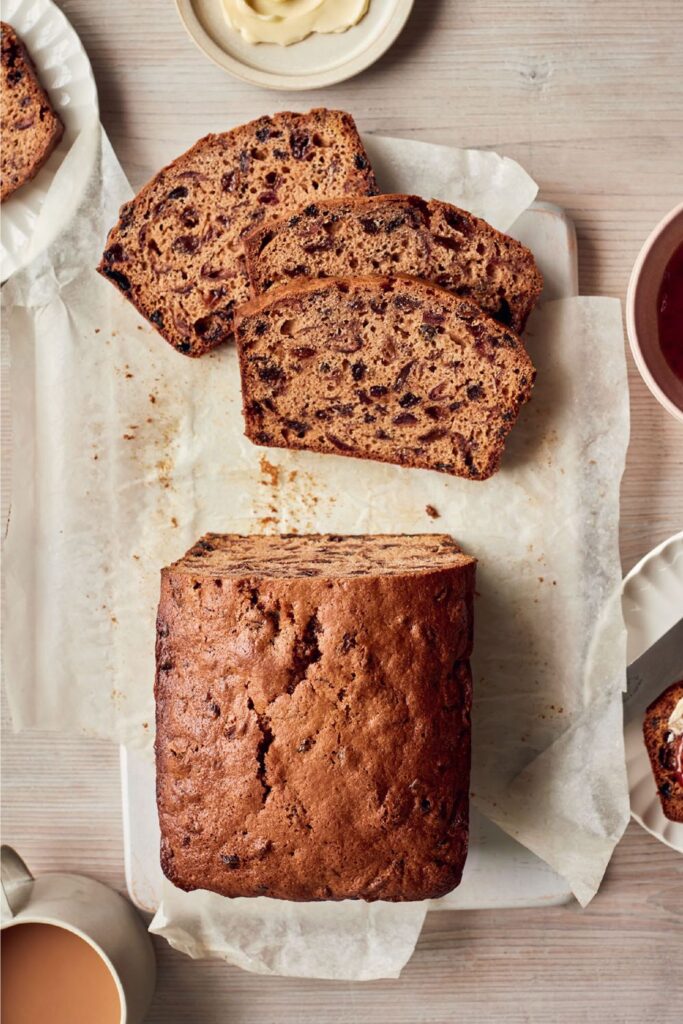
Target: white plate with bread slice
[[34, 214], [320, 59], [652, 603]]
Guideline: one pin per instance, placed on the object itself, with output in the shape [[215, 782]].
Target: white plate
[[35, 214], [313, 63], [499, 871], [652, 603]]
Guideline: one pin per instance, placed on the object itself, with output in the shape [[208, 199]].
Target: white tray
[[499, 872]]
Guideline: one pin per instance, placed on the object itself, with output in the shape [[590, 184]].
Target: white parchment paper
[[124, 453]]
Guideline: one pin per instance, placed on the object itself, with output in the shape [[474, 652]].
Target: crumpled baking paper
[[354, 940], [124, 453]]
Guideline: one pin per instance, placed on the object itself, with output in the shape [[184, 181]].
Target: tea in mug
[[51, 975]]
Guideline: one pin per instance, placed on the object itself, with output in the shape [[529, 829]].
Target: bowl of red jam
[[654, 312]]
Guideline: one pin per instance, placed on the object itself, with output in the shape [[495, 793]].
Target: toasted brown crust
[[390, 234], [666, 751], [30, 127], [176, 251], [313, 716], [390, 369]]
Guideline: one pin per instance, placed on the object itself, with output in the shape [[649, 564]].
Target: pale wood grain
[[588, 95]]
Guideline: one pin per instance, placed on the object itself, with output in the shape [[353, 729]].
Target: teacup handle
[[16, 882]]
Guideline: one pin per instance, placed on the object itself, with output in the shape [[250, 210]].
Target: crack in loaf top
[[176, 251], [320, 555]]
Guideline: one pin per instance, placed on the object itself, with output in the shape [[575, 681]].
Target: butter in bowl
[[294, 44]]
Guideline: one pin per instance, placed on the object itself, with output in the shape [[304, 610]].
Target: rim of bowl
[[633, 340]]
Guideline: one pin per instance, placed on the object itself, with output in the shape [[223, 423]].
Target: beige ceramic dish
[[315, 62], [641, 312]]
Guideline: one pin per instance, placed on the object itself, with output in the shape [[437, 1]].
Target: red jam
[[670, 313]]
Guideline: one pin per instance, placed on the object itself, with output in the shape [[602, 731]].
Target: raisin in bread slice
[[392, 234], [313, 716], [177, 252], [29, 126], [663, 734], [392, 369]]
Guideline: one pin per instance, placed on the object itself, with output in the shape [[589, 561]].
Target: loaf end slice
[[313, 716], [391, 234], [29, 126], [177, 250], [391, 369], [663, 734]]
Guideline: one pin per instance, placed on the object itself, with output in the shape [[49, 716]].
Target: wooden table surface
[[588, 96]]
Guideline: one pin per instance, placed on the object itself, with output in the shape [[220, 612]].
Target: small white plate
[[315, 62], [652, 603], [36, 213]]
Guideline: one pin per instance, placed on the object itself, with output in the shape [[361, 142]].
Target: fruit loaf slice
[[29, 126], [393, 234], [313, 716], [663, 733], [176, 251], [393, 369]]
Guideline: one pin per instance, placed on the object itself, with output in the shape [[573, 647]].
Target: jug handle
[[16, 882]]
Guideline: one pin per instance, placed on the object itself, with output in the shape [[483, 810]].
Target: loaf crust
[[176, 251], [391, 369], [391, 234], [29, 126], [313, 716], [666, 751]]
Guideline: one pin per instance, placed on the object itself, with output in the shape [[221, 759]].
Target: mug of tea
[[73, 951]]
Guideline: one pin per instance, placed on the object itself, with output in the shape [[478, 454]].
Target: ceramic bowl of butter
[[654, 312], [294, 44]]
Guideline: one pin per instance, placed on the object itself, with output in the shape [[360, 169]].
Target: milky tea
[[51, 976]]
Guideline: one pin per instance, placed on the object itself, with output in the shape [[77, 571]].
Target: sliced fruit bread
[[29, 126], [663, 734], [393, 234], [176, 252], [392, 369]]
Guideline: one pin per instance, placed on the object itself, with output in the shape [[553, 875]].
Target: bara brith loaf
[[391, 369], [177, 250], [29, 126], [398, 234], [313, 716]]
